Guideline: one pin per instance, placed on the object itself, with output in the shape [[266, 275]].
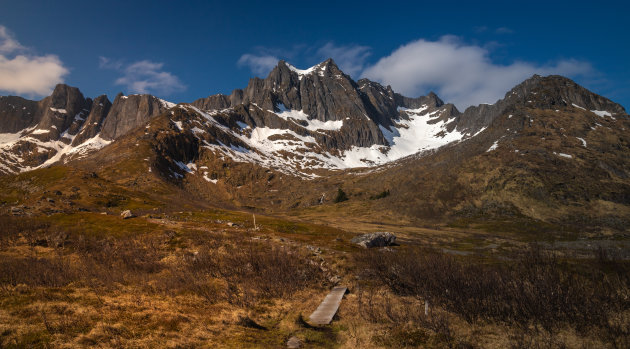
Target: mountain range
[[549, 155]]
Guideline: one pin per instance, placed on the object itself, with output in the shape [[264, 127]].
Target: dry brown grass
[[183, 288], [196, 282], [536, 295]]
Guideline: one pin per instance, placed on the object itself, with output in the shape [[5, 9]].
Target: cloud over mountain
[[459, 73], [144, 76], [259, 64], [24, 73], [350, 58]]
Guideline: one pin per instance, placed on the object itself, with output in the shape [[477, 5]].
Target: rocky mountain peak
[[60, 109], [539, 92], [324, 93], [65, 96], [554, 90]]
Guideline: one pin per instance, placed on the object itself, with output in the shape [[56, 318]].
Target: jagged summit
[[296, 119], [66, 124], [321, 68], [324, 93]]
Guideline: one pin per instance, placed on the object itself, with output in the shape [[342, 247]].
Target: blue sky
[[182, 50]]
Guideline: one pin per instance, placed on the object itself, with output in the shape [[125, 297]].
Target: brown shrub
[[37, 271], [535, 288], [235, 268], [251, 270]]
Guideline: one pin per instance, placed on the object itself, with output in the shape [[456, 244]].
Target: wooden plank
[[324, 314]]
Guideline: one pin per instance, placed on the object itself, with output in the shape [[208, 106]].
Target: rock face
[[17, 114], [41, 132], [378, 239], [92, 126], [66, 107], [293, 120], [324, 93], [130, 112]]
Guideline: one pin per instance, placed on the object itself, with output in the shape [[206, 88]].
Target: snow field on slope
[[410, 137]]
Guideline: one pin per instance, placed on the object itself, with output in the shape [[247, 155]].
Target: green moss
[[524, 228], [98, 224]]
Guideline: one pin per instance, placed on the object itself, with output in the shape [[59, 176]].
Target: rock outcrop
[[378, 239], [130, 112]]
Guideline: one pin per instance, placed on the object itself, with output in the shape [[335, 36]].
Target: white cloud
[[106, 63], [260, 65], [504, 30], [462, 74], [144, 77], [8, 44], [27, 74], [349, 58]]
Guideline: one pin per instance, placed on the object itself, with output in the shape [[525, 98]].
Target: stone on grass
[[127, 214], [294, 342], [378, 239]]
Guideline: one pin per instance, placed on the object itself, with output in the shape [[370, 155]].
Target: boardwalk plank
[[324, 314]]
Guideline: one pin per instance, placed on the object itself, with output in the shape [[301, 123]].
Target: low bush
[[212, 266], [383, 194], [341, 196], [535, 288]]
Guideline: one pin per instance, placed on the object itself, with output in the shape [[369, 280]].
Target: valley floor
[[208, 278]]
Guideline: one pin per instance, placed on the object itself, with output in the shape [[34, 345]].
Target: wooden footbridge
[[324, 314]]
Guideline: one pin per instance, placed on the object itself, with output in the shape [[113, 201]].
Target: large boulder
[[378, 239], [127, 214]]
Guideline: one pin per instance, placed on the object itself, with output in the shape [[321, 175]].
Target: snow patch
[[582, 140], [312, 124], [62, 111], [568, 156], [197, 130], [89, 145], [601, 113], [494, 146], [409, 137], [295, 154], [6, 138], [167, 104], [301, 72]]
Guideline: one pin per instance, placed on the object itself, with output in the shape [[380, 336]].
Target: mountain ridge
[[317, 115], [547, 155]]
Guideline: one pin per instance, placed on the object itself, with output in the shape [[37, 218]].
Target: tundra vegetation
[[189, 279]]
